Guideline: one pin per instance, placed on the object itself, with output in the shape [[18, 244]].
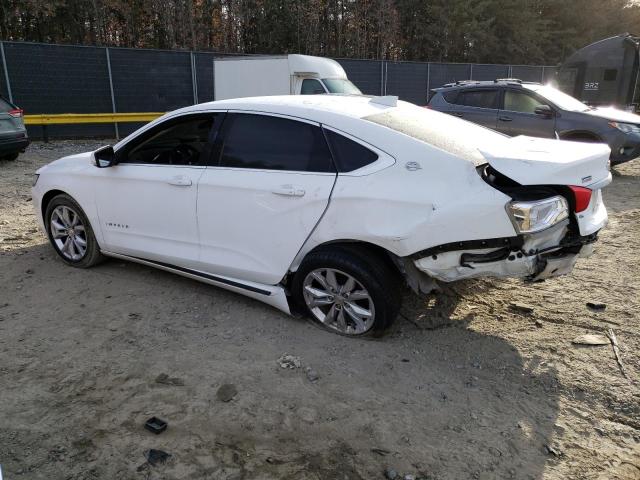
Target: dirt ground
[[464, 386]]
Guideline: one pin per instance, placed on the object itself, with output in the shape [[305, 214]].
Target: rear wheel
[[70, 232], [347, 291]]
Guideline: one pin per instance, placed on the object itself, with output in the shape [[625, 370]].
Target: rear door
[[269, 184], [478, 105], [517, 115]]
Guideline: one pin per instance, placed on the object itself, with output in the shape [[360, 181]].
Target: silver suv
[[13, 134], [515, 107]]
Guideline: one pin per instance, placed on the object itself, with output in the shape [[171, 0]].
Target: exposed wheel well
[[361, 248], [46, 198]]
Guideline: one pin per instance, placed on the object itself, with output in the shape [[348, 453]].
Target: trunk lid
[[539, 161]]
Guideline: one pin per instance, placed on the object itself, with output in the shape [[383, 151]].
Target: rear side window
[[349, 155], [477, 98], [450, 96], [273, 143]]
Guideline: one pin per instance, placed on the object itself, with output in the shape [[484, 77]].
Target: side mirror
[[544, 110], [105, 157]]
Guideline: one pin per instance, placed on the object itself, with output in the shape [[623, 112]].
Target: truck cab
[[248, 76], [604, 73]]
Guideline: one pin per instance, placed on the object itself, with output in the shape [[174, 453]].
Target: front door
[[518, 117], [268, 188], [147, 202]]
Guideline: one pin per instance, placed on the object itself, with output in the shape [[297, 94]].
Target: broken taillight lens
[[582, 197], [534, 216]]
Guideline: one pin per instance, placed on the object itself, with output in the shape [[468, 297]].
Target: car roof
[[463, 84], [342, 112], [311, 107]]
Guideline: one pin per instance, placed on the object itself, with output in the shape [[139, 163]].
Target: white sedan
[[327, 202]]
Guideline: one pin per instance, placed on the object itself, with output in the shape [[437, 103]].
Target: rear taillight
[[582, 197], [536, 215], [15, 113]]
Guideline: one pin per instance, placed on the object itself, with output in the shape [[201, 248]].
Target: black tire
[[374, 273], [12, 156], [92, 255]]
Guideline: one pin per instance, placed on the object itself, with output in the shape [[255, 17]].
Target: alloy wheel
[[68, 233], [339, 301]]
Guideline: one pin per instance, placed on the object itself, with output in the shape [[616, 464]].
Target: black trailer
[[604, 73]]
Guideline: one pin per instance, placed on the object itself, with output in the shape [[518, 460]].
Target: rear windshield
[[454, 136]]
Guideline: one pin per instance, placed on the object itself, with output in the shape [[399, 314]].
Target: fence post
[[194, 78], [113, 98], [471, 71], [542, 75], [386, 76], [428, 80], [381, 77], [6, 72], [510, 74]]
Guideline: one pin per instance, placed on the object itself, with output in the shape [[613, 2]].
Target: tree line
[[484, 31]]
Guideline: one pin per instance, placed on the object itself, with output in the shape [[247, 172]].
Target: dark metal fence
[[46, 78]]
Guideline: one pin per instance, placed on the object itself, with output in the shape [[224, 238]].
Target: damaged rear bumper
[[538, 256]]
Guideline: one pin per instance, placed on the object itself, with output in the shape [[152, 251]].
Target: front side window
[[311, 87], [273, 143], [520, 102], [477, 98], [175, 142]]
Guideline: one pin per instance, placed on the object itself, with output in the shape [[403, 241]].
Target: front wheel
[[70, 232], [348, 291]]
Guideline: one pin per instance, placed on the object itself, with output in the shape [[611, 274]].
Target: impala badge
[[412, 166]]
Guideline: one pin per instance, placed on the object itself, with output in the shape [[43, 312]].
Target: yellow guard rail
[[45, 119], [74, 118]]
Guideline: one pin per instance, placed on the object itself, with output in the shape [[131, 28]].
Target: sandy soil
[[463, 387]]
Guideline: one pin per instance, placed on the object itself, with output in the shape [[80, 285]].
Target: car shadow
[[80, 351]]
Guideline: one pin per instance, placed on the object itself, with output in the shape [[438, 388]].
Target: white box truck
[[236, 77]]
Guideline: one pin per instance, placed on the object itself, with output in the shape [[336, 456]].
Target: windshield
[[560, 99], [341, 85]]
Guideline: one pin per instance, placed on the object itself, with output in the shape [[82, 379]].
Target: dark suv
[[13, 135], [515, 107]]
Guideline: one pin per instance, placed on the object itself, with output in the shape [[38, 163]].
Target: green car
[[13, 134]]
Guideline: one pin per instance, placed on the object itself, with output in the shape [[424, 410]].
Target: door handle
[[180, 181], [457, 114], [502, 118], [289, 191]]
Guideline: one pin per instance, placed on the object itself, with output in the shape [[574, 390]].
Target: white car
[[327, 202]]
